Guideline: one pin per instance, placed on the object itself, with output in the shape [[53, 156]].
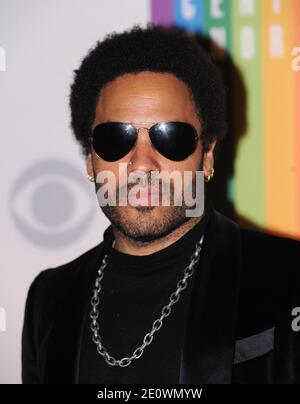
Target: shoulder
[[270, 279], [65, 272], [266, 244], [262, 254], [51, 284], [268, 257]]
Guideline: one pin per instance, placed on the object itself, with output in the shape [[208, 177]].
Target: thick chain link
[[157, 324]]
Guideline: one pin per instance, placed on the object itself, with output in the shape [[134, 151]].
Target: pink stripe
[[162, 12]]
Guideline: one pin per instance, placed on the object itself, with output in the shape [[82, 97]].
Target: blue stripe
[[189, 14]]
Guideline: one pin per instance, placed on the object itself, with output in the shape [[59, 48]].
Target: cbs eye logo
[[51, 203]]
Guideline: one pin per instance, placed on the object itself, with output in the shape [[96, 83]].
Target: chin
[[146, 223]]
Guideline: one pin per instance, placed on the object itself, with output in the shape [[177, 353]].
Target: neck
[[130, 246]]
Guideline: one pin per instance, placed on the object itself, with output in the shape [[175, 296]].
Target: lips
[[144, 197]]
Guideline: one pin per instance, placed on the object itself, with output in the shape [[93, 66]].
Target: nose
[[143, 156]]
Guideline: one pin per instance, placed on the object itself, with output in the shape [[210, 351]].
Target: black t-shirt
[[134, 291]]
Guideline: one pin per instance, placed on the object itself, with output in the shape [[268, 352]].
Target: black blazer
[[239, 328]]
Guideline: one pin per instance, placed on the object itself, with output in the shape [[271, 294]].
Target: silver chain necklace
[[166, 311]]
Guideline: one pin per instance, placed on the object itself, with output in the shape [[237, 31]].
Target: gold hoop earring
[[210, 176], [90, 178]]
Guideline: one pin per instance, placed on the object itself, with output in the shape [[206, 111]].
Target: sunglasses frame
[[197, 137]]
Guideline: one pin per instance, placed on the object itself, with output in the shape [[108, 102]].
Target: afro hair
[[155, 49]]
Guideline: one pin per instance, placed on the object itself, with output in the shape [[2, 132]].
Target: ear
[[208, 159]]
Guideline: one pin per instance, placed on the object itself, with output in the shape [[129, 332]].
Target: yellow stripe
[[296, 12], [281, 212]]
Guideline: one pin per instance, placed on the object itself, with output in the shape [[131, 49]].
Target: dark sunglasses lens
[[174, 140], [113, 140]]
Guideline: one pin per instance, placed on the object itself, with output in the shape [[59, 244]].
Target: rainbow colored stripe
[[260, 35]]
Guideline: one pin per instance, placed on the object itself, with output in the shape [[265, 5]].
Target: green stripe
[[224, 21], [249, 164]]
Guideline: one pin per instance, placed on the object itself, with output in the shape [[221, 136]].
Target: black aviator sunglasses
[[174, 140]]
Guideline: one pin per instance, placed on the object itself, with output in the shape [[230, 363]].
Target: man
[[166, 297]]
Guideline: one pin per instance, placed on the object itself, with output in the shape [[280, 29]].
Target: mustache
[[148, 180]]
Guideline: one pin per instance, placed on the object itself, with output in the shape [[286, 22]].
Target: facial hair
[[150, 223]]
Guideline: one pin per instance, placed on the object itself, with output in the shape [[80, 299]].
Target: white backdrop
[[49, 213]]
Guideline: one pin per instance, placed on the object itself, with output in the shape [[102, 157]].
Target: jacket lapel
[[208, 353], [63, 350]]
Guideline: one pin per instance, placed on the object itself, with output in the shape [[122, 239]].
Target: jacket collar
[[207, 355]]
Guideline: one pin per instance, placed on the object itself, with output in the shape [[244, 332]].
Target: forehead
[[144, 94]]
